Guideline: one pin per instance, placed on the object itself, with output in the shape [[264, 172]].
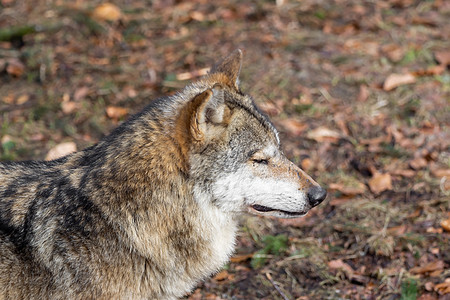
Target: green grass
[[274, 245], [409, 289]]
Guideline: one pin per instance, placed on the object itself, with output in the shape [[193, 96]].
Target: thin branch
[[276, 286]]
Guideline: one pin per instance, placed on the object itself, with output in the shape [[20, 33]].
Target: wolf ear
[[230, 66], [210, 110]]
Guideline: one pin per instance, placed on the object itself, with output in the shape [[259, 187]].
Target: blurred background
[[359, 90]]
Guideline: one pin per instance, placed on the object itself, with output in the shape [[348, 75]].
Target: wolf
[[152, 209]]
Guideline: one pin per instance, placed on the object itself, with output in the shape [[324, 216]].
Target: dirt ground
[[359, 90]]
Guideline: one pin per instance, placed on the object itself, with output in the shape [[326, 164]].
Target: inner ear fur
[[209, 111]]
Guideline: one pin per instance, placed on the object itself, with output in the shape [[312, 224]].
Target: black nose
[[316, 194]]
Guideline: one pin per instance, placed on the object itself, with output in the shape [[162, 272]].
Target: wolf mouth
[[262, 208]]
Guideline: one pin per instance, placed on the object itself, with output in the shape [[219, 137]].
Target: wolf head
[[234, 151]]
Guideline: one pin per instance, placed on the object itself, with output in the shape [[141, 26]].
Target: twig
[[276, 286]]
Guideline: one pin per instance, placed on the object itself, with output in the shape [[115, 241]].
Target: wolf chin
[[152, 208]]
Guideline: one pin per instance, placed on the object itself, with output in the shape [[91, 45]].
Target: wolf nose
[[316, 194]]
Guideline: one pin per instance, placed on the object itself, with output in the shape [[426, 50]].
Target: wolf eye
[[262, 161]]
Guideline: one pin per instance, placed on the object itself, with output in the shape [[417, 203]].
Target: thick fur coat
[[151, 209]]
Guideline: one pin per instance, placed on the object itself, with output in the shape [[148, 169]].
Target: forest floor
[[359, 90]]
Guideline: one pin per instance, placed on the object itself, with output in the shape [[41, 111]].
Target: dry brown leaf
[[80, 93], [193, 74], [418, 163], [356, 189], [429, 286], [15, 68], [115, 112], [2, 64], [270, 108], [433, 70], [298, 222], [241, 257], [339, 201], [396, 80], [61, 150], [293, 126], [197, 295], [339, 264], [222, 275], [380, 182], [393, 51], [9, 99], [322, 134], [430, 267], [22, 99], [441, 172], [443, 288], [363, 93], [446, 225], [107, 12], [397, 230], [306, 164], [69, 107], [404, 173], [443, 57]]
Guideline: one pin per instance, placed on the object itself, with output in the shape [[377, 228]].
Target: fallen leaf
[[61, 150], [429, 20], [393, 51], [9, 99], [107, 12], [433, 70], [270, 108], [339, 264], [299, 222], [22, 99], [418, 163], [430, 267], [69, 107], [322, 134], [396, 80], [306, 164], [2, 64], [434, 230], [443, 288], [380, 182], [446, 225], [15, 67], [115, 112], [193, 74], [404, 173], [429, 286], [443, 57], [80, 93], [441, 172], [397, 230], [197, 295], [241, 257], [293, 126], [339, 201], [363, 93], [355, 189], [415, 213], [222, 275]]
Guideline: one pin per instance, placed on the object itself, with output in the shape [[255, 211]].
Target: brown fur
[[148, 211]]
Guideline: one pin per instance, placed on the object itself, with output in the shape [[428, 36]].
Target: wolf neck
[[140, 183]]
